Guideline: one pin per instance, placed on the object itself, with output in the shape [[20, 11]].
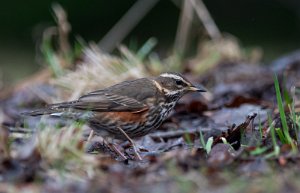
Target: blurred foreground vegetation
[[269, 24]]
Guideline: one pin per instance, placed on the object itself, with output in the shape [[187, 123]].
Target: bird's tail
[[56, 109], [39, 112]]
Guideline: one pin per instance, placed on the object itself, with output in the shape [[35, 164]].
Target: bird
[[126, 110]]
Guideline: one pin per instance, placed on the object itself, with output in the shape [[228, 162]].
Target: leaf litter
[[206, 143], [231, 139]]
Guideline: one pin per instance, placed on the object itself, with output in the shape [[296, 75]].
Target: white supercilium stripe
[[174, 76]]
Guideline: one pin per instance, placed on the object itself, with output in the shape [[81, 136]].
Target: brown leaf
[[220, 156], [233, 135]]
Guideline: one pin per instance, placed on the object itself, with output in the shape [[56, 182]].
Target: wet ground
[[222, 141]]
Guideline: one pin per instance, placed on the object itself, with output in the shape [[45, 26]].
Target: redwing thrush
[[129, 109]]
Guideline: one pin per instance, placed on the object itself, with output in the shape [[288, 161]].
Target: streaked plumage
[[137, 107]]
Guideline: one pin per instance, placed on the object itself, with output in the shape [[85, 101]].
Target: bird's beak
[[197, 88]]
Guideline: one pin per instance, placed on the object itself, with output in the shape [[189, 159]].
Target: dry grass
[[99, 70], [63, 149]]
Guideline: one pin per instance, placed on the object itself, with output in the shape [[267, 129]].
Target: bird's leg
[[135, 150], [91, 135], [115, 149], [101, 144]]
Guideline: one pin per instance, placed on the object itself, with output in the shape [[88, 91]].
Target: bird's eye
[[179, 82]]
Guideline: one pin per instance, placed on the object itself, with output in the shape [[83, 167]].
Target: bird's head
[[174, 85]]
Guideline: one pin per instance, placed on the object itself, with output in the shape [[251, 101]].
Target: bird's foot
[[99, 144], [136, 151], [118, 152]]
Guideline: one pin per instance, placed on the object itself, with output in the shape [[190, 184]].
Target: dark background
[[273, 25]]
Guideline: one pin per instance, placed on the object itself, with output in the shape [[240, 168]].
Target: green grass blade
[[286, 95], [146, 48], [293, 113], [281, 111], [276, 149], [260, 130], [281, 136], [202, 141], [209, 144]]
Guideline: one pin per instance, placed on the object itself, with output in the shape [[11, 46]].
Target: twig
[[21, 130], [174, 134], [184, 27], [209, 24], [126, 24], [63, 28]]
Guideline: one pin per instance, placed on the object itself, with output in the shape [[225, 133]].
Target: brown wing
[[117, 98], [123, 97], [103, 101]]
